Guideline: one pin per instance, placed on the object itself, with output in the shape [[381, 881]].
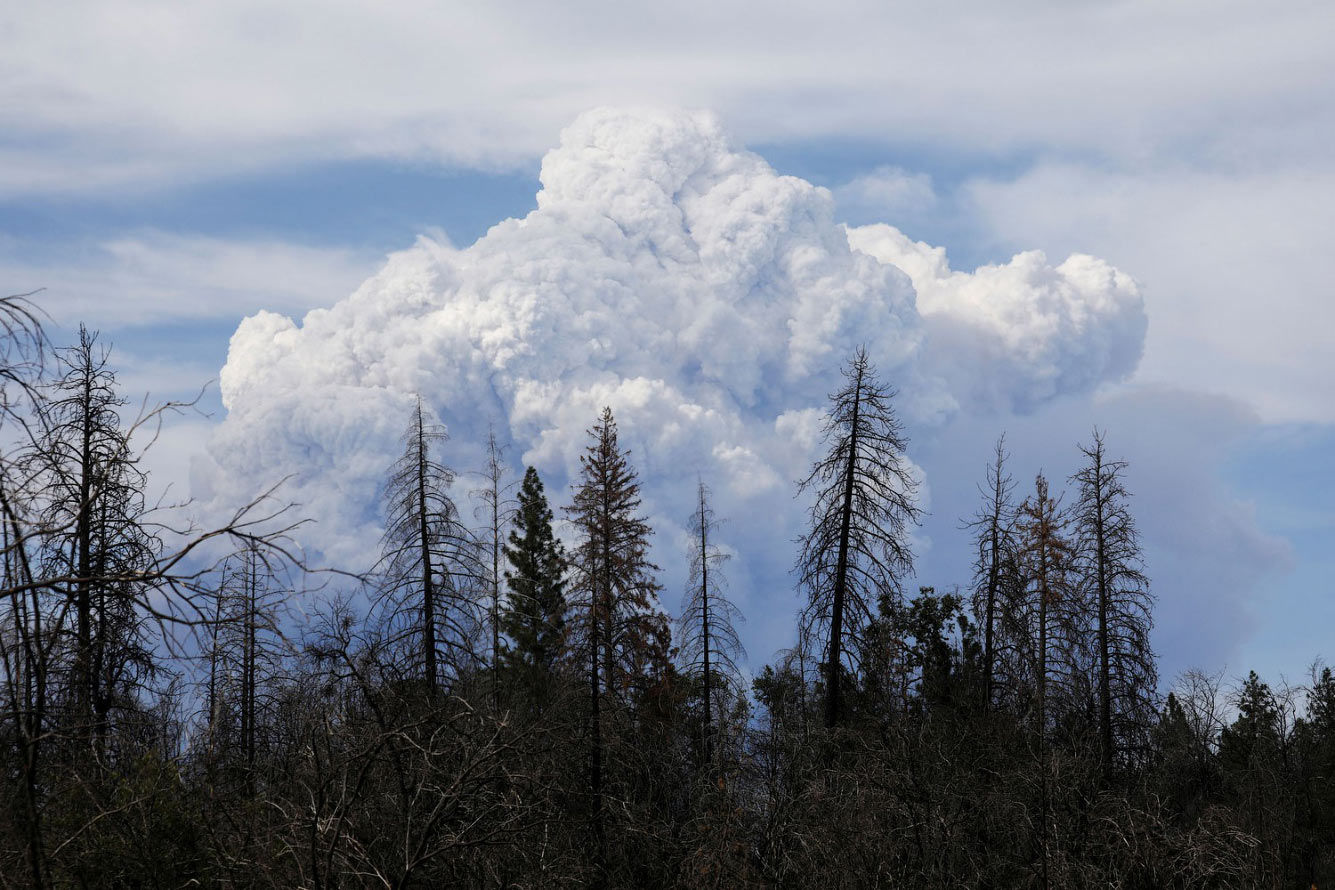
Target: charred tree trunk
[[704, 628], [428, 578], [833, 702]]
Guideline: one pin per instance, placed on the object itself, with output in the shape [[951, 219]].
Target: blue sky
[[166, 172]]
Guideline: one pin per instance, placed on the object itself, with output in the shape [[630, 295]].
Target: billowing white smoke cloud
[[1034, 330], [708, 300]]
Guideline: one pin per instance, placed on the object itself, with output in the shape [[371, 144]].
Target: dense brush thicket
[[493, 707]]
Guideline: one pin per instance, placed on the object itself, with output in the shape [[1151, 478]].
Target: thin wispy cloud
[[88, 105], [156, 277]]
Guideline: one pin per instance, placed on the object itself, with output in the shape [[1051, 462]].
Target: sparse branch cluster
[[708, 645], [502, 701], [99, 588]]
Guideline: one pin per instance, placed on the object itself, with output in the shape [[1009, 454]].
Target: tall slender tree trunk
[[492, 496], [833, 700], [248, 692], [611, 552], [98, 682], [428, 590], [704, 627], [1101, 577], [1042, 729], [601, 647], [495, 594], [1049, 554], [596, 738], [606, 604], [215, 702], [83, 560], [1042, 639], [993, 583], [30, 711]]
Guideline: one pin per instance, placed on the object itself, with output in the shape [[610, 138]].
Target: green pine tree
[[534, 617]]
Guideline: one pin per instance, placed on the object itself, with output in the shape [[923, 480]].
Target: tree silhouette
[[995, 571], [92, 606], [243, 660], [1047, 555], [96, 531], [1111, 563], [497, 510], [430, 560], [1047, 562], [706, 628], [535, 607], [857, 545], [623, 633]]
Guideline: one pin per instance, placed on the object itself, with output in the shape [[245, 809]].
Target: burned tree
[[94, 532], [1046, 555], [243, 661], [496, 511], [995, 570], [706, 631], [430, 560], [857, 546], [26, 647], [1110, 563], [92, 604]]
